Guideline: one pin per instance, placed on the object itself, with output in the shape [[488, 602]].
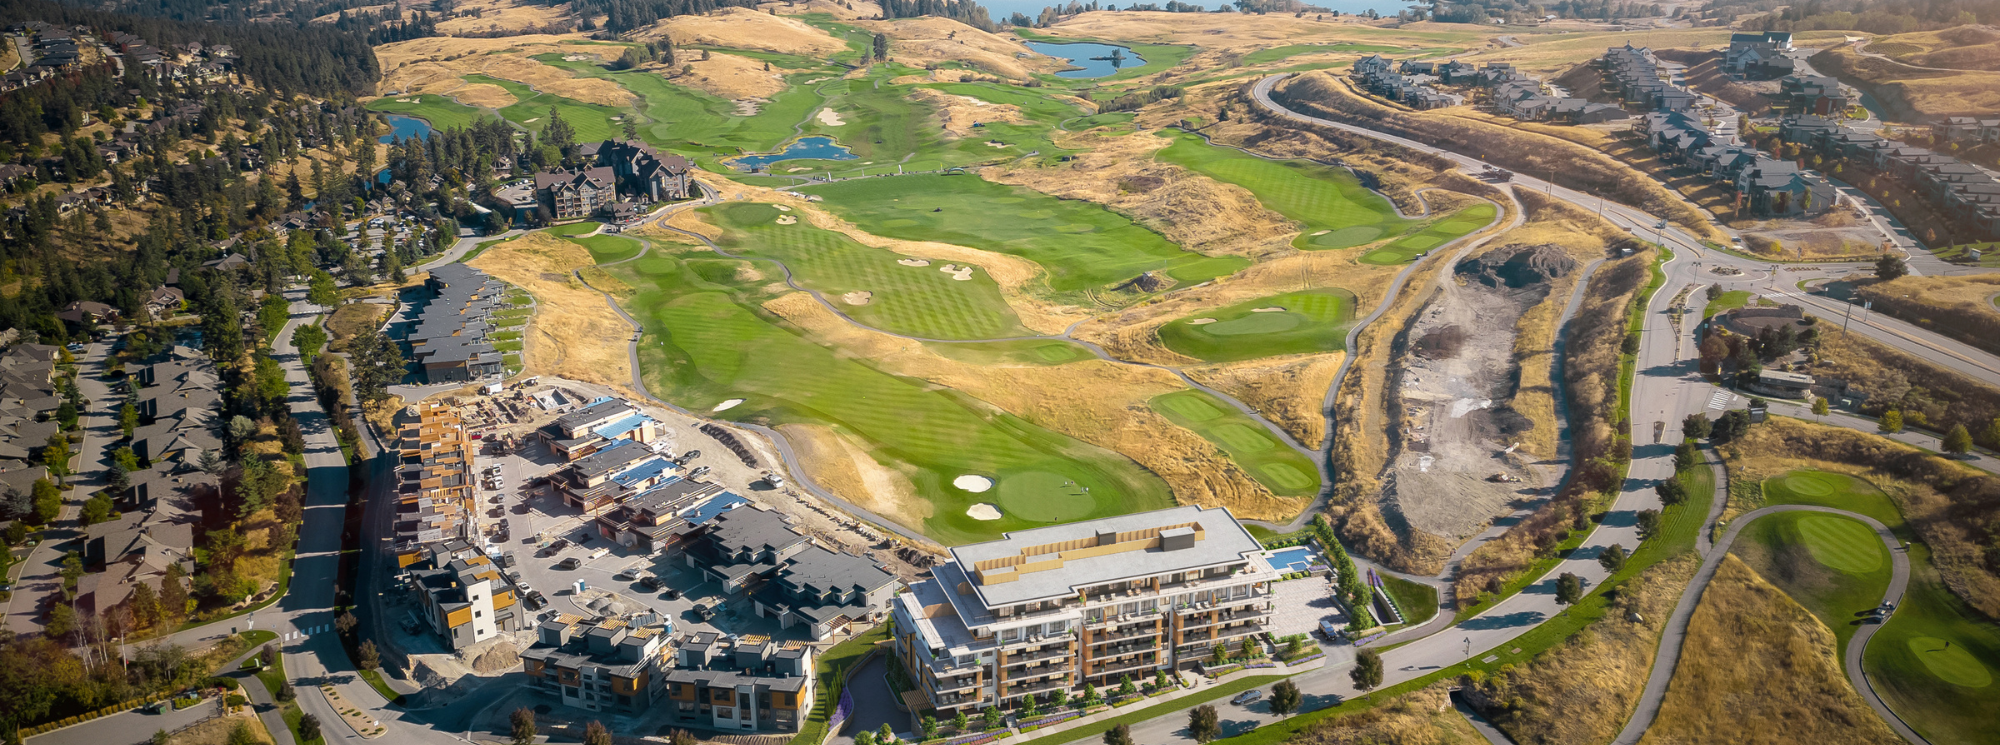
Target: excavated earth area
[[1451, 381]]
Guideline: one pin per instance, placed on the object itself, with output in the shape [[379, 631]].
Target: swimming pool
[[1296, 559]]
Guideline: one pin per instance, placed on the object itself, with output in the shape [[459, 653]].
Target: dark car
[[651, 583], [671, 594], [536, 600], [569, 563], [1247, 698]]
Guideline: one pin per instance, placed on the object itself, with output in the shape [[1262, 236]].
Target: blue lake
[[804, 148], [404, 127], [999, 9], [1081, 54]]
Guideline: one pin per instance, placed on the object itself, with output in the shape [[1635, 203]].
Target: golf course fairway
[[1303, 322], [707, 341]]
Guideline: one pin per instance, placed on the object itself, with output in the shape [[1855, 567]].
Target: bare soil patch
[[437, 64], [957, 114], [574, 334], [742, 28], [1452, 386], [216, 731], [488, 16]]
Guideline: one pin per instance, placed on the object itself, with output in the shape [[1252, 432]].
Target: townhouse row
[[1967, 194]]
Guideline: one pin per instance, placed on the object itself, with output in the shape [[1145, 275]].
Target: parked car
[[1248, 697], [671, 594], [569, 563], [536, 600], [651, 583]]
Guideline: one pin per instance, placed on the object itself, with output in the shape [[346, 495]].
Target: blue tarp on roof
[[646, 469], [716, 505], [622, 426]]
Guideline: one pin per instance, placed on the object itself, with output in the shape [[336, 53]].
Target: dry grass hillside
[[730, 76], [1571, 164], [1422, 717], [436, 65], [1954, 508], [843, 10], [1961, 48], [1892, 378], [1102, 403], [1259, 31], [742, 28], [1582, 691], [1960, 307], [957, 115], [490, 16], [574, 333], [1910, 93], [918, 42], [1757, 667]]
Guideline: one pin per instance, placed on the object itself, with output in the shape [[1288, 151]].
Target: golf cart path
[[1675, 634]]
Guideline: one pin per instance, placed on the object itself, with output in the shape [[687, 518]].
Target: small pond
[[404, 127], [1097, 60], [804, 148]]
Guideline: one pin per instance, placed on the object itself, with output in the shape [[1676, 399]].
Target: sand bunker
[[782, 208], [913, 262], [788, 219], [727, 405], [983, 511], [830, 118], [990, 143], [1272, 309], [960, 273], [1201, 322], [974, 484], [858, 297]]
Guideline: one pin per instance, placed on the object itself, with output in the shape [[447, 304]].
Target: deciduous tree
[[1203, 723], [1285, 698], [1367, 672], [1958, 441]]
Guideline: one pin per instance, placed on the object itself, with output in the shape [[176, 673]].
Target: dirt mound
[[1441, 344], [1148, 282], [1516, 267], [497, 659]]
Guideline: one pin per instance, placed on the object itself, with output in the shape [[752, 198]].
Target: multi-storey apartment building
[[747, 685], [580, 193], [449, 339], [465, 599], [603, 665], [1095, 601], [600, 425], [435, 498]]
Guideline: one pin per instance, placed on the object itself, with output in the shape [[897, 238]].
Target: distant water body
[[1092, 59], [404, 127]]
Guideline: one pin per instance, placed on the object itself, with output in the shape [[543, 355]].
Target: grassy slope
[[1323, 198], [708, 341], [531, 109], [699, 123], [1313, 321], [1441, 231], [1081, 245], [1900, 657], [919, 301], [1274, 464], [1832, 566], [441, 112]]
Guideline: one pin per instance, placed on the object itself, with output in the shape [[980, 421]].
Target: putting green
[[1452, 227], [1192, 408], [866, 283], [1842, 544], [1950, 663], [1283, 470], [1312, 321], [1097, 247], [1814, 483], [1257, 323], [1044, 497]]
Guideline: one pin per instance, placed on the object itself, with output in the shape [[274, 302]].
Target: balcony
[[1048, 684], [1236, 631], [1017, 659], [959, 700], [1214, 605], [957, 684], [1225, 617], [1121, 666], [1060, 637], [1137, 633], [1128, 648]]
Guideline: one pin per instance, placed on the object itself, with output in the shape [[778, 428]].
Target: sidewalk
[[1202, 685]]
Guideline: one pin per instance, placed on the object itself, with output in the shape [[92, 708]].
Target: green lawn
[[1080, 244], [1727, 301], [1335, 209], [605, 249], [592, 122], [699, 123], [830, 668], [440, 111], [1311, 321], [1936, 659], [919, 301], [1835, 567], [1417, 601], [709, 340], [1114, 119], [1267, 458], [1444, 230], [1038, 352]]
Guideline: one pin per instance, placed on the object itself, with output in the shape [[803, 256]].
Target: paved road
[[41, 574], [134, 727], [1675, 634]]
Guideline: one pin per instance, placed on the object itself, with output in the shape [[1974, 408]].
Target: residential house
[[605, 665], [742, 685], [1749, 52]]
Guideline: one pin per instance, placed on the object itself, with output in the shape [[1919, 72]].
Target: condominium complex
[[464, 598], [435, 498], [600, 425], [1052, 608], [747, 684], [449, 339], [599, 665]]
